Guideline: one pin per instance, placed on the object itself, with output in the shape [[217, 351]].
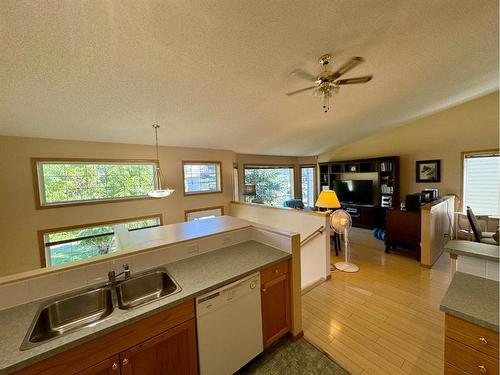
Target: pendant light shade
[[158, 192]]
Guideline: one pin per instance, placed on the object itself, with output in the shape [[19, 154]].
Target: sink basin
[[67, 313], [145, 288]]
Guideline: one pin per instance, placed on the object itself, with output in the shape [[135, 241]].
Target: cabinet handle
[[483, 341], [125, 362], [114, 366], [482, 369], [276, 270], [264, 290]]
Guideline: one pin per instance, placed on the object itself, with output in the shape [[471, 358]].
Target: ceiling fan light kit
[[327, 82]]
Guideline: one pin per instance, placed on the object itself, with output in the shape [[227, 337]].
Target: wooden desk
[[403, 230]]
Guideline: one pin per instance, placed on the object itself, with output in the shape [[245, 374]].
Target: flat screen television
[[354, 191]]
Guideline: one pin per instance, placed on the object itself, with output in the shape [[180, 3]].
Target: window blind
[[481, 183]]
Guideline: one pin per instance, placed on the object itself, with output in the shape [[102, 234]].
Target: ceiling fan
[[327, 82]]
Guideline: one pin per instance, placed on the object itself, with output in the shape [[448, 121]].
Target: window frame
[[201, 162], [42, 232], [186, 212], [38, 184], [464, 154], [272, 166], [315, 181]]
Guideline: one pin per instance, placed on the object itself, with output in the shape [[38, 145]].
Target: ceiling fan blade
[[301, 90], [303, 74], [350, 81], [351, 64]]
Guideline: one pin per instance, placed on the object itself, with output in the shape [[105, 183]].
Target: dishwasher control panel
[[226, 294]]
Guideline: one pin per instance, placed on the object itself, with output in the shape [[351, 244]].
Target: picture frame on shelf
[[428, 170]]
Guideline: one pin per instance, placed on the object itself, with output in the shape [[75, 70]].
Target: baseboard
[[312, 285], [298, 336]]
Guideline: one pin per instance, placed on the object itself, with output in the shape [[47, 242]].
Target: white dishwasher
[[229, 324]]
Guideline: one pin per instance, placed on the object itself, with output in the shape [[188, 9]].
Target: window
[[307, 185], [202, 177], [62, 182], [273, 184], [67, 245], [203, 213], [481, 182]]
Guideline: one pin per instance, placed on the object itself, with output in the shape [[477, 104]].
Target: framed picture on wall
[[428, 170]]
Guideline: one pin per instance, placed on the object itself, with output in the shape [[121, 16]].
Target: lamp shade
[[249, 190], [162, 193], [328, 199]]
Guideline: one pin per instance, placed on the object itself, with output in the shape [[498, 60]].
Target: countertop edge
[[473, 254], [469, 318]]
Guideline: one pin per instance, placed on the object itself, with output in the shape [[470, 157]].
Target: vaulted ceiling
[[214, 73]]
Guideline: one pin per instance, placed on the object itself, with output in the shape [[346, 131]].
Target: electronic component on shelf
[[386, 201]]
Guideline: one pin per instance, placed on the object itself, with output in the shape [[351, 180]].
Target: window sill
[[202, 193], [90, 202]]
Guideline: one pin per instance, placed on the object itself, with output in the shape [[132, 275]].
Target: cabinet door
[[110, 366], [170, 353], [275, 309]]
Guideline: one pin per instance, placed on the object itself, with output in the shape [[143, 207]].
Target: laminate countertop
[[474, 299], [196, 275], [473, 249]]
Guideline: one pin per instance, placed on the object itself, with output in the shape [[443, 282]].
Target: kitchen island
[[196, 274], [471, 305]]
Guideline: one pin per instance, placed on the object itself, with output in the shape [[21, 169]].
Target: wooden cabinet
[[275, 294], [110, 366], [383, 171], [403, 229], [170, 353], [364, 216], [164, 343], [469, 349]]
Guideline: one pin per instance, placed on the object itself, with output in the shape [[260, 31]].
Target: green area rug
[[287, 357]]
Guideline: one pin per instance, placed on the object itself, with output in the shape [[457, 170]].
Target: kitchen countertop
[[195, 275], [473, 249], [474, 299]]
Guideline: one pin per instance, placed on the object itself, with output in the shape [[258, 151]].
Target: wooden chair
[[335, 238]]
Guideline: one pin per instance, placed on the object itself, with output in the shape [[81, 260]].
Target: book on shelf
[[386, 189]]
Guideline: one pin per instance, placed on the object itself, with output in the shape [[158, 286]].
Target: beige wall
[[294, 161], [20, 221], [468, 127]]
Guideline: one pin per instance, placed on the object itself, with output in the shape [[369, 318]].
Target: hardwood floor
[[385, 319]]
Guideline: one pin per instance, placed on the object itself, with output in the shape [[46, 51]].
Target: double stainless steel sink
[[91, 306]]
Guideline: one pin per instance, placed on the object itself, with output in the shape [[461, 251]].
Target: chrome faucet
[[112, 275]]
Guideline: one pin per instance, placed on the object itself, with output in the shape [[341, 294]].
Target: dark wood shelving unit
[[386, 191]]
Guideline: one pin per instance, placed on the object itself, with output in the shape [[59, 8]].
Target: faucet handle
[[126, 271], [111, 276]]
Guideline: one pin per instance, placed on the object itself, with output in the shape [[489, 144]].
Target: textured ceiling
[[214, 73]]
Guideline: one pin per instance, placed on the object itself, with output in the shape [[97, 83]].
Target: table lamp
[[328, 199]]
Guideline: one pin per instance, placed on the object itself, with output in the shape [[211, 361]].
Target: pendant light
[[158, 192]]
